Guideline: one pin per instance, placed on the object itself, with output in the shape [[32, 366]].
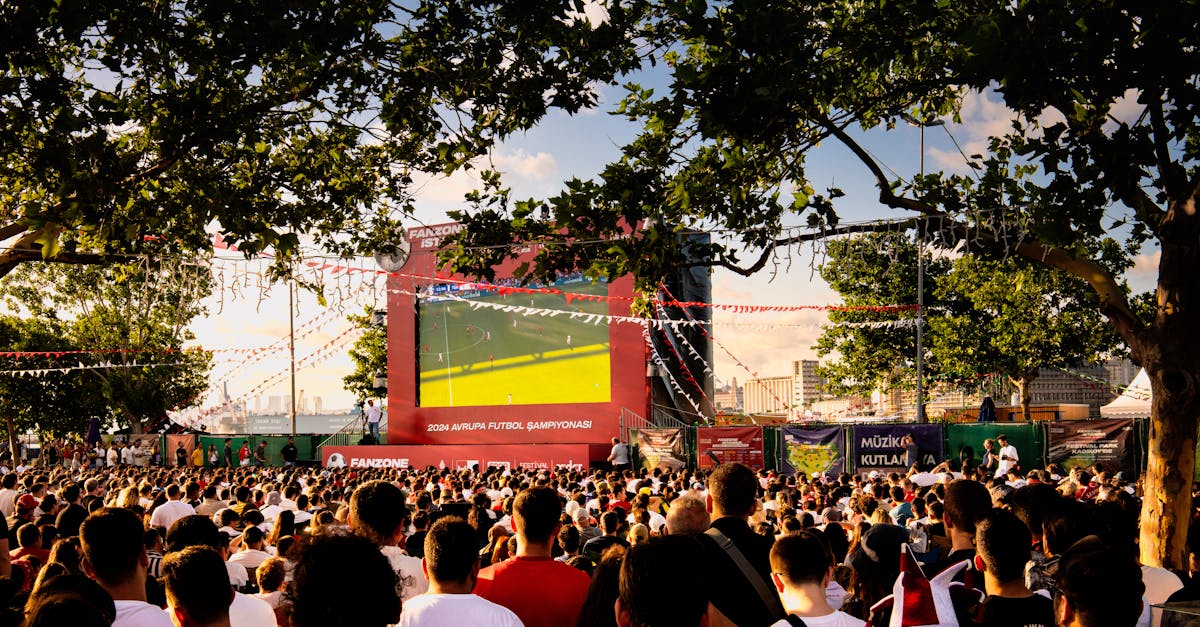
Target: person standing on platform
[[374, 415], [260, 454], [227, 455], [198, 456], [619, 455], [289, 453], [1008, 456], [912, 454]]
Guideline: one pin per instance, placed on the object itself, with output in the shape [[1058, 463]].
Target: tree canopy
[[123, 316], [369, 354], [753, 88]]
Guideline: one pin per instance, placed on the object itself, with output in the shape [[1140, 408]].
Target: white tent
[[1134, 402]]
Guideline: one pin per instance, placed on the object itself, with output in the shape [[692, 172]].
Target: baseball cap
[[873, 475], [27, 501], [581, 514]]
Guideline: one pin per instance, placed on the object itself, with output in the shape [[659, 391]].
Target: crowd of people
[[260, 546]]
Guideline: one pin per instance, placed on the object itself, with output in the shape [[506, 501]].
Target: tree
[[128, 125], [369, 353], [870, 271], [753, 88], [42, 397], [1009, 318], [125, 316]]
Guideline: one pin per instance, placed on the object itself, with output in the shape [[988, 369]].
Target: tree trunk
[[1171, 357], [1025, 394], [13, 442], [136, 426]]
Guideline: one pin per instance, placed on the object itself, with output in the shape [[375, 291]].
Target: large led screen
[[480, 348]]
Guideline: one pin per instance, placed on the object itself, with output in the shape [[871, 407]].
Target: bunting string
[[41, 372]]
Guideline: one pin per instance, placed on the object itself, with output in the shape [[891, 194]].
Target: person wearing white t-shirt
[[114, 555], [196, 591], [377, 512], [173, 509], [801, 568], [1008, 456], [452, 567]]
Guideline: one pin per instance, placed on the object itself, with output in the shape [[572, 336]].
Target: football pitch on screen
[[472, 357]]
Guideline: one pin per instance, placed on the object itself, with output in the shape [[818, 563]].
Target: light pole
[[921, 275], [292, 347]]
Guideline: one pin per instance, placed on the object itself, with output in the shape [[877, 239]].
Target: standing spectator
[[173, 509], [746, 598], [1008, 456], [967, 502], [181, 456], [343, 581], [260, 454], [72, 515], [289, 453], [114, 554], [619, 456], [377, 512], [244, 454], [1097, 586], [539, 590], [668, 567], [373, 415], [802, 569], [912, 454], [227, 454], [197, 595], [1003, 543], [8, 494], [452, 568], [198, 456]]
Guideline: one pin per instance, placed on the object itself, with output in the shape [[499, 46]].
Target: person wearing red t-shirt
[[539, 590]]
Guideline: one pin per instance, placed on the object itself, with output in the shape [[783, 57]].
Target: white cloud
[[1146, 265], [538, 166]]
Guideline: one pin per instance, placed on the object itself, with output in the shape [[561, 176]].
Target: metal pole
[[292, 348], [921, 298]]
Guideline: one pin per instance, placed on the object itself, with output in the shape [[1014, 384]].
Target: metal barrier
[[351, 434]]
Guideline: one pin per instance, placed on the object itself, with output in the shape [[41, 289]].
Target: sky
[[246, 316]]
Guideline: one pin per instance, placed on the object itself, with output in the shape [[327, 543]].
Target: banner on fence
[[965, 442], [1083, 443], [729, 444], [662, 448], [813, 451], [881, 447]]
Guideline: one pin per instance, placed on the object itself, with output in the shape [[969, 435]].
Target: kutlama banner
[[662, 448], [814, 451], [1086, 442], [720, 445], [881, 447]]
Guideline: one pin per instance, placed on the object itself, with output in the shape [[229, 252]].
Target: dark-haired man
[[378, 513], [201, 531], [342, 580], [662, 584], [1003, 543], [801, 568], [745, 598], [1097, 586], [452, 566], [114, 554], [173, 509], [610, 525], [967, 502], [197, 594], [539, 590]]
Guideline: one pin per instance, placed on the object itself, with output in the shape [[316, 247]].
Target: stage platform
[[463, 456]]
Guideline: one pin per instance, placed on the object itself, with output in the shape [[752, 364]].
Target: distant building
[[318, 405], [1120, 371], [807, 387], [728, 398], [274, 404], [1056, 387], [769, 395]]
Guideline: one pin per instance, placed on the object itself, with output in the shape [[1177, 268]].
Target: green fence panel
[[1028, 437], [772, 448]]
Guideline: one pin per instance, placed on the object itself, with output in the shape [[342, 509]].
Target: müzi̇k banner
[[662, 448], [881, 447], [1083, 443], [813, 451]]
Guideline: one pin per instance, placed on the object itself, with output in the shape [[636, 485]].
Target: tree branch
[[878, 227], [1172, 174], [886, 196]]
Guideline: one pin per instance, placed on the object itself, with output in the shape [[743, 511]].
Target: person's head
[[1002, 440], [663, 567], [29, 536], [536, 514], [68, 599], [1003, 543], [271, 574], [688, 516], [1097, 586], [966, 502], [989, 444], [343, 580], [801, 559], [569, 539], [253, 538], [197, 585], [113, 550], [450, 553], [71, 494], [610, 522], [194, 530], [732, 491], [377, 512]]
